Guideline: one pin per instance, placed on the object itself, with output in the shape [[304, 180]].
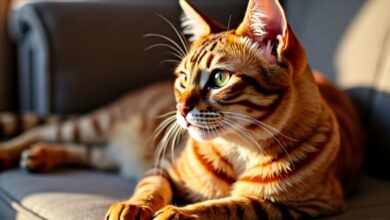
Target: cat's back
[[350, 156]]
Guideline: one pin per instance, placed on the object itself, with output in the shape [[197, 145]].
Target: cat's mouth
[[201, 131], [204, 133]]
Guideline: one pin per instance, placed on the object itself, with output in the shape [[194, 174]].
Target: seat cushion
[[84, 194], [67, 194]]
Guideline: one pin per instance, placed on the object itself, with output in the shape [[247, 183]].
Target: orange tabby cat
[[268, 138]]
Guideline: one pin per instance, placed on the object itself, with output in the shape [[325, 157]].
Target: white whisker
[[178, 52], [245, 132], [260, 123], [179, 34], [174, 54], [168, 39], [273, 136], [166, 114], [173, 61]]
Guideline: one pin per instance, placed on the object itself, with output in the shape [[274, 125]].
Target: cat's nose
[[183, 109]]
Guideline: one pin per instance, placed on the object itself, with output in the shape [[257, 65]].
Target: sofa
[[69, 57]]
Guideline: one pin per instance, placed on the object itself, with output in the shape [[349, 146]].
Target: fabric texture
[[95, 48], [86, 195], [86, 58], [67, 194]]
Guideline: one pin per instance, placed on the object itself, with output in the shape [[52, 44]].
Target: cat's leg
[[151, 194], [43, 157], [321, 201], [92, 128]]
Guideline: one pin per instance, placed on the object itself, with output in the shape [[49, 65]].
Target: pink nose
[[183, 109]]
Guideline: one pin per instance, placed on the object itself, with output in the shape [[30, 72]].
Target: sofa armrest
[[77, 55]]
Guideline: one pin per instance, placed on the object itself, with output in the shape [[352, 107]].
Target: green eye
[[184, 80], [221, 78]]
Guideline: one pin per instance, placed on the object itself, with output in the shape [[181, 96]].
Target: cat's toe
[[128, 211], [36, 160], [174, 213]]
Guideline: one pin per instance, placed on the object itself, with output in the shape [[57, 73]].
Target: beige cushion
[[77, 194], [84, 195], [371, 202]]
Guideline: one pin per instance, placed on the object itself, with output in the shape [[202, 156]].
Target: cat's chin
[[203, 134]]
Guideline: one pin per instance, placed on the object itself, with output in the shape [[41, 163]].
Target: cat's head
[[235, 81]]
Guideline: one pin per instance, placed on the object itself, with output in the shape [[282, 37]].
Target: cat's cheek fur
[[181, 120]]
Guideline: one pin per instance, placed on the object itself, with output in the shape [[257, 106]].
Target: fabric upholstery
[[76, 57], [77, 194], [86, 195], [94, 48]]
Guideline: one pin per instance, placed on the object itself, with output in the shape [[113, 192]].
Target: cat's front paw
[[37, 159], [174, 213], [128, 211]]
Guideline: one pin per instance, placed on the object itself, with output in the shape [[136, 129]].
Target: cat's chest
[[240, 158], [210, 171]]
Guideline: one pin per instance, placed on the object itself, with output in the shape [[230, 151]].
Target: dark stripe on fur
[[270, 111], [294, 146], [258, 209], [284, 210], [209, 60], [76, 131], [260, 89], [310, 157], [209, 167], [96, 126]]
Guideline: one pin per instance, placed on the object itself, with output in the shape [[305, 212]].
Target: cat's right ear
[[196, 24], [265, 22]]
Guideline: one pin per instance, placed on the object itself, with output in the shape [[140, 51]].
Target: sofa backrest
[[75, 56], [363, 67]]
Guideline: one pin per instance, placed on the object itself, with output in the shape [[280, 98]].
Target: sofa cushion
[[84, 194], [76, 194]]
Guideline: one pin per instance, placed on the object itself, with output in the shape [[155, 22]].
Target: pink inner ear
[[273, 23], [274, 20]]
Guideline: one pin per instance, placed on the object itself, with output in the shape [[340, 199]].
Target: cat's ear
[[196, 24], [265, 22]]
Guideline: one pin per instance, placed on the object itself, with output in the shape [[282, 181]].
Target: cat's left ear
[[265, 22], [196, 24]]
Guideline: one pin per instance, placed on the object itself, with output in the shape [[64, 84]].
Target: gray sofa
[[74, 56]]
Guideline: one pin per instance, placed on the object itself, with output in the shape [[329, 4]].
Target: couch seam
[[17, 206]]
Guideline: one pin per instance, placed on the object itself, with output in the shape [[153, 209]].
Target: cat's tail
[[12, 124]]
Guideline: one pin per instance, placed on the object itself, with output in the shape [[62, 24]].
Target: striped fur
[[12, 124], [114, 137], [275, 141]]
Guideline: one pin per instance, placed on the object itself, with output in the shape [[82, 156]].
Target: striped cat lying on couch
[[249, 130]]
